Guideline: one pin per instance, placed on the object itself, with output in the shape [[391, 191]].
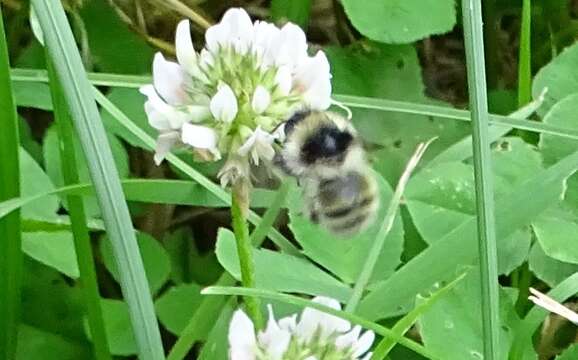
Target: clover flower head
[[230, 97], [316, 336]]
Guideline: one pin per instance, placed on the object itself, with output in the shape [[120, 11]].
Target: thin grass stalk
[[79, 96], [301, 302], [135, 81], [473, 36], [385, 228], [84, 256], [525, 56], [10, 236], [239, 209]]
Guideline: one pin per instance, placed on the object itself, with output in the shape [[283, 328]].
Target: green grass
[[10, 237], [487, 248], [359, 102], [80, 228], [78, 93], [525, 55]]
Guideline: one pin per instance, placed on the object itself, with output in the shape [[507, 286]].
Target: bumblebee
[[323, 151]]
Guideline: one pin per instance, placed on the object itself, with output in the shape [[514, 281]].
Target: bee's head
[[327, 144]]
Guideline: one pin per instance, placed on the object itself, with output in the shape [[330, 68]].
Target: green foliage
[[54, 249], [569, 354], [175, 307], [383, 70], [398, 21], [296, 11], [155, 259], [453, 325], [280, 272], [117, 326], [558, 77]]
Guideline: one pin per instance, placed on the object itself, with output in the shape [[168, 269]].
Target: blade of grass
[[157, 191], [82, 244], [463, 149], [525, 55], [78, 93], [385, 228], [487, 248], [215, 189], [405, 323], [297, 301], [522, 276], [10, 237], [133, 81], [210, 308]]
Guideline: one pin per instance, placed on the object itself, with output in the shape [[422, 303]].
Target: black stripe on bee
[[344, 211], [350, 225]]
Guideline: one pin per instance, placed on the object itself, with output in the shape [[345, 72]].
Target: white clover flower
[[229, 97], [317, 336]]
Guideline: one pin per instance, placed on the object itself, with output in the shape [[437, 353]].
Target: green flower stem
[[239, 209], [88, 280], [10, 237], [211, 307]]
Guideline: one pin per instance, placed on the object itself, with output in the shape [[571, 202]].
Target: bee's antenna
[[343, 107]]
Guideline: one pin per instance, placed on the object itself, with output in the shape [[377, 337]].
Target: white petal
[[224, 104], [292, 45], [206, 59], [313, 80], [274, 340], [198, 136], [164, 144], [313, 319], [242, 340], [240, 28], [261, 99], [288, 323], [364, 343], [348, 339], [259, 145], [284, 80], [162, 116], [186, 54], [265, 40], [168, 79], [248, 145], [216, 37], [198, 112]]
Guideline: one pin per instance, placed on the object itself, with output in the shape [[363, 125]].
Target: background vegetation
[[401, 66]]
